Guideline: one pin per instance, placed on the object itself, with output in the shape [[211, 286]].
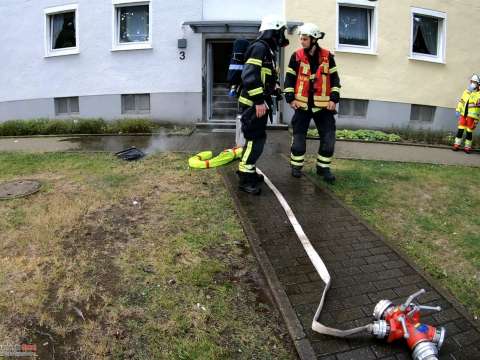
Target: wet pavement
[[278, 142], [364, 270], [148, 143]]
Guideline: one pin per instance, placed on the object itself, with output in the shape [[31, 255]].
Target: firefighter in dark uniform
[[312, 88], [259, 83]]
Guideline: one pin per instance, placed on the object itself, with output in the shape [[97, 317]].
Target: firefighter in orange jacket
[[312, 88], [468, 113]]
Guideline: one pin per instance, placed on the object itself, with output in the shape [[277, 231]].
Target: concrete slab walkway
[[278, 142], [402, 153], [364, 269]]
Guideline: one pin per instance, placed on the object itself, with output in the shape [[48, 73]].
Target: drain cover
[[18, 188]]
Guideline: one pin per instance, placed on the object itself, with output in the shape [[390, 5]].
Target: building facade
[[121, 58], [402, 63]]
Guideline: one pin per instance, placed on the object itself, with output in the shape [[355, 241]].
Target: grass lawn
[[117, 260], [429, 211]]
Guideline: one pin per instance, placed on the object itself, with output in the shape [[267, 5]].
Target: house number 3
[[182, 55]]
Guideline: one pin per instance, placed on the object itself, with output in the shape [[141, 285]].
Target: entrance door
[[220, 105]]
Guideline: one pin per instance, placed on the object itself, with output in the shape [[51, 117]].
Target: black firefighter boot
[[326, 174], [296, 171], [248, 183], [259, 177]]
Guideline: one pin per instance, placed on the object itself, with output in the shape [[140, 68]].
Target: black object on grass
[[130, 154]]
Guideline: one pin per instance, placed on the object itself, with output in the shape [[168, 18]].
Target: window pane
[[128, 103], [423, 113], [133, 23], [353, 107], [67, 105], [142, 102], [353, 25], [74, 108], [360, 107], [63, 30], [345, 107], [61, 106], [425, 34]]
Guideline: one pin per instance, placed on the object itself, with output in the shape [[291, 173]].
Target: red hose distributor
[[395, 322]]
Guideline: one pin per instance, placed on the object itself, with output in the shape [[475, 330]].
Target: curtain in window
[[134, 23], [353, 25], [63, 30], [425, 35]]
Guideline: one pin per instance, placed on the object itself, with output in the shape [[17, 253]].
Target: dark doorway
[[221, 61], [222, 106]]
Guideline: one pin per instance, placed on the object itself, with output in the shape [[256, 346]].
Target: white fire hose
[[317, 263], [424, 347]]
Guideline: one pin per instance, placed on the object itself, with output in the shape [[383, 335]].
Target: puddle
[[153, 143]]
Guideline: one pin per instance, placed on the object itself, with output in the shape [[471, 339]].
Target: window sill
[[126, 2], [356, 117], [132, 47], [66, 115], [62, 53], [139, 112], [420, 123], [427, 59], [355, 50]]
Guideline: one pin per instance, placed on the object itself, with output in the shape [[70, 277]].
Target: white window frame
[[442, 36], [372, 28], [116, 45], [48, 12]]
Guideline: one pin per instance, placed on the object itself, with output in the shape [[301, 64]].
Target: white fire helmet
[[273, 22]]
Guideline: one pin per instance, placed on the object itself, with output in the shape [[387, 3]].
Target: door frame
[[207, 65], [209, 44]]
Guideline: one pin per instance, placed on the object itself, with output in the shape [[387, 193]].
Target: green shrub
[[75, 126], [400, 134], [368, 135], [431, 136], [129, 126], [22, 127], [55, 127], [89, 126]]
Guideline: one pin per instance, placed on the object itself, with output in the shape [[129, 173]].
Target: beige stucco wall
[[391, 75]]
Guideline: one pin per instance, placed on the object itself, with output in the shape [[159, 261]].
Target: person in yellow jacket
[[468, 113]]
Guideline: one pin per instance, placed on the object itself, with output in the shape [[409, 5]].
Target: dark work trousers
[[325, 122], [468, 137], [254, 131]]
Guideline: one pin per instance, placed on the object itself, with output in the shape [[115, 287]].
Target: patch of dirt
[[244, 271], [94, 243]]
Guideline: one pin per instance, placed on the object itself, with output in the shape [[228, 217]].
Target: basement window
[[67, 106], [136, 104], [353, 107], [422, 113]]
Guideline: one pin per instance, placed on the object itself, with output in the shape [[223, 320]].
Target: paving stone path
[[364, 270]]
